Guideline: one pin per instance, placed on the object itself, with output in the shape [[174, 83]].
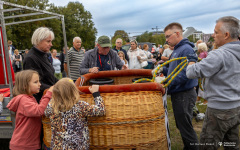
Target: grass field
[[176, 140]]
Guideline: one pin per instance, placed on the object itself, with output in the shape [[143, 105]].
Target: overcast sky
[[135, 16]]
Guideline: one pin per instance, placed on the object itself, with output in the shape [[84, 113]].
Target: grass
[[176, 140]]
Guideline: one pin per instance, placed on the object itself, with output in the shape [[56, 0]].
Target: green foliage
[[191, 39], [149, 37], [120, 34], [78, 22]]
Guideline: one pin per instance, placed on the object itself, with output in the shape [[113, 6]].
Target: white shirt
[[56, 65], [134, 63], [167, 52]]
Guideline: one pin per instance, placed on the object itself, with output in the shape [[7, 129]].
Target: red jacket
[[26, 134]]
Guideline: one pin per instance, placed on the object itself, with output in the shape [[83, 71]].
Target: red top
[[26, 134]]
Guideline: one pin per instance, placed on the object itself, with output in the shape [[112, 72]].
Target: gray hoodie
[[221, 68]]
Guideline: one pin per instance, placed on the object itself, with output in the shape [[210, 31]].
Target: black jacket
[[38, 61], [62, 58], [124, 51]]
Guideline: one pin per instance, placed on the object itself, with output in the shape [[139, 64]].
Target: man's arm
[[165, 58], [84, 67], [65, 61], [206, 67], [65, 68]]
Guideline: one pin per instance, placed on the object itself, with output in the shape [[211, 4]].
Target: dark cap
[[104, 41]]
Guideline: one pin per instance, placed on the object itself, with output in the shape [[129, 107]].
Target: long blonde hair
[[22, 80], [65, 94], [121, 52]]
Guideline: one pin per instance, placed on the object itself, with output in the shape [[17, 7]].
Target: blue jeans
[[182, 104]]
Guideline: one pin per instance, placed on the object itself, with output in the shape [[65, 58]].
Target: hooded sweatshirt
[[26, 134], [180, 82], [221, 70]]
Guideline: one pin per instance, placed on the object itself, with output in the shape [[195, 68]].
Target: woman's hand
[[139, 57], [94, 88]]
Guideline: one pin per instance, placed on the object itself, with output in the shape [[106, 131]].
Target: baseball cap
[[104, 41]]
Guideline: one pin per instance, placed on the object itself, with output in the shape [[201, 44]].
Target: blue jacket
[[90, 61], [124, 51], [181, 82]]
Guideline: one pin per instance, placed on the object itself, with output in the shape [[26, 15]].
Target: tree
[[120, 34], [78, 22], [21, 34], [149, 37]]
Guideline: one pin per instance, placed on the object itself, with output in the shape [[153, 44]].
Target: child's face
[[34, 84], [120, 56]]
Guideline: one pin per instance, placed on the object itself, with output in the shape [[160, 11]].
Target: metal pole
[[3, 61], [65, 45], [6, 51]]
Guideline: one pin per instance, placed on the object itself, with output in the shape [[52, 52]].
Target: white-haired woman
[[202, 50], [136, 56], [37, 59]]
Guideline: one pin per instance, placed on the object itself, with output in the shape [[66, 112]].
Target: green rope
[[173, 74]]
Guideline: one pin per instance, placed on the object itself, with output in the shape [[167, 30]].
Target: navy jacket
[[181, 82], [124, 51]]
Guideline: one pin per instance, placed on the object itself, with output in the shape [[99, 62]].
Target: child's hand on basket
[[94, 88]]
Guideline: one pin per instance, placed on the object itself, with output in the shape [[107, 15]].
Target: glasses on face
[[168, 36], [119, 42]]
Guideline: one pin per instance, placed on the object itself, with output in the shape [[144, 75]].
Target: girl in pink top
[[26, 134], [202, 50]]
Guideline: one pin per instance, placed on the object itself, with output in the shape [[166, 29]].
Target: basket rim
[[114, 73], [151, 86]]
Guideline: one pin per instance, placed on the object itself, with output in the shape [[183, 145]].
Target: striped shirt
[[75, 59]]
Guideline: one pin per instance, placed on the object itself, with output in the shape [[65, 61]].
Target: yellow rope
[[173, 74]]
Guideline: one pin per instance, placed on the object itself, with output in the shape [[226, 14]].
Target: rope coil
[[173, 74]]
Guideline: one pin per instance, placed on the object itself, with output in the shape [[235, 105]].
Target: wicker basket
[[134, 113]]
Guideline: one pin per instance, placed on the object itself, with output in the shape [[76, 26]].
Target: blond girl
[[122, 57], [68, 114]]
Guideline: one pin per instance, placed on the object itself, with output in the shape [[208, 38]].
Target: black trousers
[[182, 104]]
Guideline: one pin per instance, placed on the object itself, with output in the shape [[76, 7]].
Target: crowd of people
[[219, 69]]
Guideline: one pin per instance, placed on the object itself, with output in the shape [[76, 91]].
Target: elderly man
[[101, 58], [181, 89], [222, 79], [75, 56], [118, 48]]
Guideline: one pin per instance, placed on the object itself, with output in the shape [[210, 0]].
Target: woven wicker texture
[[133, 120], [47, 133], [134, 113]]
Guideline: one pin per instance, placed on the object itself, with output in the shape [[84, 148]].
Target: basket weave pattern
[[47, 132], [134, 113], [133, 119]]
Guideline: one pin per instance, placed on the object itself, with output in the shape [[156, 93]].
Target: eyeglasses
[[168, 36], [119, 42]]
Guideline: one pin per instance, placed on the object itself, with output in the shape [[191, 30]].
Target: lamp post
[[156, 29]]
